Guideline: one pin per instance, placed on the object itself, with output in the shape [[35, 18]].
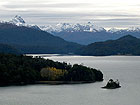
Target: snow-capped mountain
[[80, 33], [19, 21], [88, 33], [87, 27], [133, 29], [67, 27], [112, 30], [130, 29]]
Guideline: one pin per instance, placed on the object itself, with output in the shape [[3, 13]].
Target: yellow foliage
[[52, 73]]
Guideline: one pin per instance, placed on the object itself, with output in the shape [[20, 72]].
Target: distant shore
[[50, 55]]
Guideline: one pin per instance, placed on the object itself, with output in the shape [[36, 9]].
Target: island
[[112, 84], [21, 69]]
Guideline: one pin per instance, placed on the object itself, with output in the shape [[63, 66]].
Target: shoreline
[[63, 82], [47, 82]]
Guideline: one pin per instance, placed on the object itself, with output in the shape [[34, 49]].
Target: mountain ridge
[[29, 40], [126, 45]]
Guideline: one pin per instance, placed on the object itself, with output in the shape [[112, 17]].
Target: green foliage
[[25, 69], [83, 73], [14, 69]]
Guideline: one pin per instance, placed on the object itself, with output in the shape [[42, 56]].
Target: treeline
[[17, 69]]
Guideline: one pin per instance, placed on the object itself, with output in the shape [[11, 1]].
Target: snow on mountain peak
[[18, 20], [133, 29], [68, 27], [112, 30]]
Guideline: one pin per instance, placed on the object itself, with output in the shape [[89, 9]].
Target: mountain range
[[17, 35], [30, 40], [80, 33], [88, 33]]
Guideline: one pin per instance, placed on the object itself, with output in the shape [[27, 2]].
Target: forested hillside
[[20, 69], [127, 45]]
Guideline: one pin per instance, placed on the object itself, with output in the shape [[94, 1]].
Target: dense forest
[[126, 45], [21, 69]]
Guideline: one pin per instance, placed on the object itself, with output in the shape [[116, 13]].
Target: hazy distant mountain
[[88, 33], [8, 49], [126, 45], [30, 40]]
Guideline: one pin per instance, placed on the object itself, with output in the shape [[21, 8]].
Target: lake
[[124, 68]]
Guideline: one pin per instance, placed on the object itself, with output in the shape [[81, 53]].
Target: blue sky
[[105, 13]]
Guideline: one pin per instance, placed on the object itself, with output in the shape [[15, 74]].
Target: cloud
[[47, 5], [107, 13]]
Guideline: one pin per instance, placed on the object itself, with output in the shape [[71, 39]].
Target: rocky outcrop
[[112, 84]]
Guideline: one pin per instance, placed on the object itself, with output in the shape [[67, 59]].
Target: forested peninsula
[[22, 69]]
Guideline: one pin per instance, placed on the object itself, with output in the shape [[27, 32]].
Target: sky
[[104, 13]]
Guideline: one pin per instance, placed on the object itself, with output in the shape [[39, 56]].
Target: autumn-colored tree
[[51, 73]]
